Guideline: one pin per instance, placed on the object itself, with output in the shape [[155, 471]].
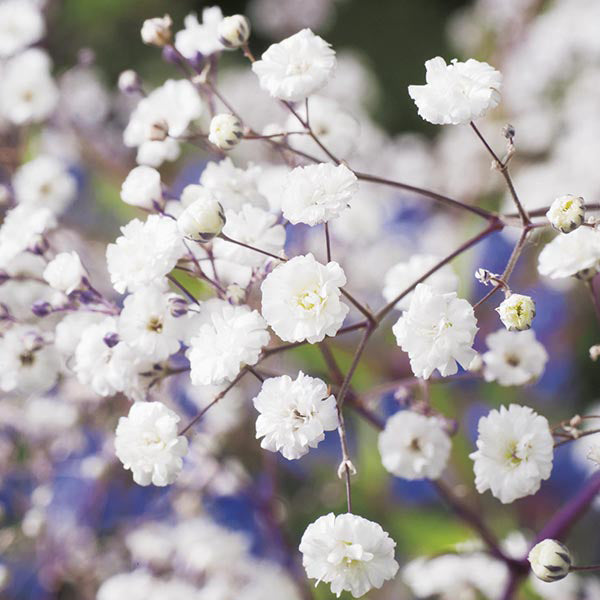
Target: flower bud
[[566, 213], [235, 294], [204, 218], [550, 560], [178, 307], [41, 308], [157, 31], [516, 312], [595, 352], [234, 31], [111, 339], [129, 82], [225, 131], [65, 273]]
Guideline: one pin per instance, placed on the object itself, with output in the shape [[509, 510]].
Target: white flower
[[514, 453], [233, 337], [67, 333], [404, 274], [147, 443], [203, 217], [318, 193], [234, 31], [65, 272], [157, 31], [458, 92], [572, 254], [414, 446], [21, 24], [437, 332], [566, 213], [142, 187], [144, 253], [513, 358], [550, 560], [28, 364], [200, 38], [28, 92], [22, 228], [233, 187], [301, 299], [255, 227], [172, 106], [226, 131], [44, 182], [348, 552], [147, 324], [516, 312], [294, 414], [137, 585], [296, 67]]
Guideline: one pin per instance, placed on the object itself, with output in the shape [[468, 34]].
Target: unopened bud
[[41, 308], [178, 306], [595, 352], [157, 31], [235, 294], [550, 560], [566, 213], [111, 339], [234, 31], [158, 131], [516, 312], [346, 465], [204, 218], [226, 131], [129, 82]]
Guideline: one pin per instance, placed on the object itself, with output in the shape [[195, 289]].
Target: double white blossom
[[318, 193], [437, 332], [296, 67], [231, 337], [65, 272], [294, 414], [301, 299], [147, 443], [514, 453], [414, 446], [576, 253], [513, 358], [458, 92], [146, 252], [348, 552], [142, 187], [200, 38]]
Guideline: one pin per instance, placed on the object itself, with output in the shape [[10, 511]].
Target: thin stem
[[363, 309], [574, 439], [345, 457], [247, 246], [357, 356], [587, 568], [594, 297], [327, 242], [255, 373], [183, 289]]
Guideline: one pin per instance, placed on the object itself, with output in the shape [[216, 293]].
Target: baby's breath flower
[[566, 213], [517, 312], [550, 560], [226, 131]]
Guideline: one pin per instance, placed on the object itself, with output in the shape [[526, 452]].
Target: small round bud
[[111, 339], [129, 82], [157, 31], [566, 213], [178, 307], [595, 352], [41, 308], [65, 272], [158, 131], [226, 131], [235, 294], [516, 312], [234, 31], [204, 218], [550, 560]]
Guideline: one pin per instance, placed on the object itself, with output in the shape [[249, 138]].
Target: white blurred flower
[[200, 38], [255, 227], [142, 187], [513, 358], [301, 299], [296, 67], [516, 312], [67, 333], [225, 131], [146, 252], [203, 217], [514, 453], [174, 105], [348, 552], [318, 193], [232, 337], [571, 254], [157, 31], [458, 92], [147, 443], [437, 332], [566, 213], [44, 182], [414, 446], [28, 363], [147, 324], [65, 272], [21, 24], [294, 414], [403, 275], [28, 93]]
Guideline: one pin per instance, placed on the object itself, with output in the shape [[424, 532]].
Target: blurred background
[[68, 512]]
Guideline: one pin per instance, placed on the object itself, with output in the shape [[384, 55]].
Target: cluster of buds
[[550, 560], [226, 131], [516, 312], [566, 213], [204, 218]]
